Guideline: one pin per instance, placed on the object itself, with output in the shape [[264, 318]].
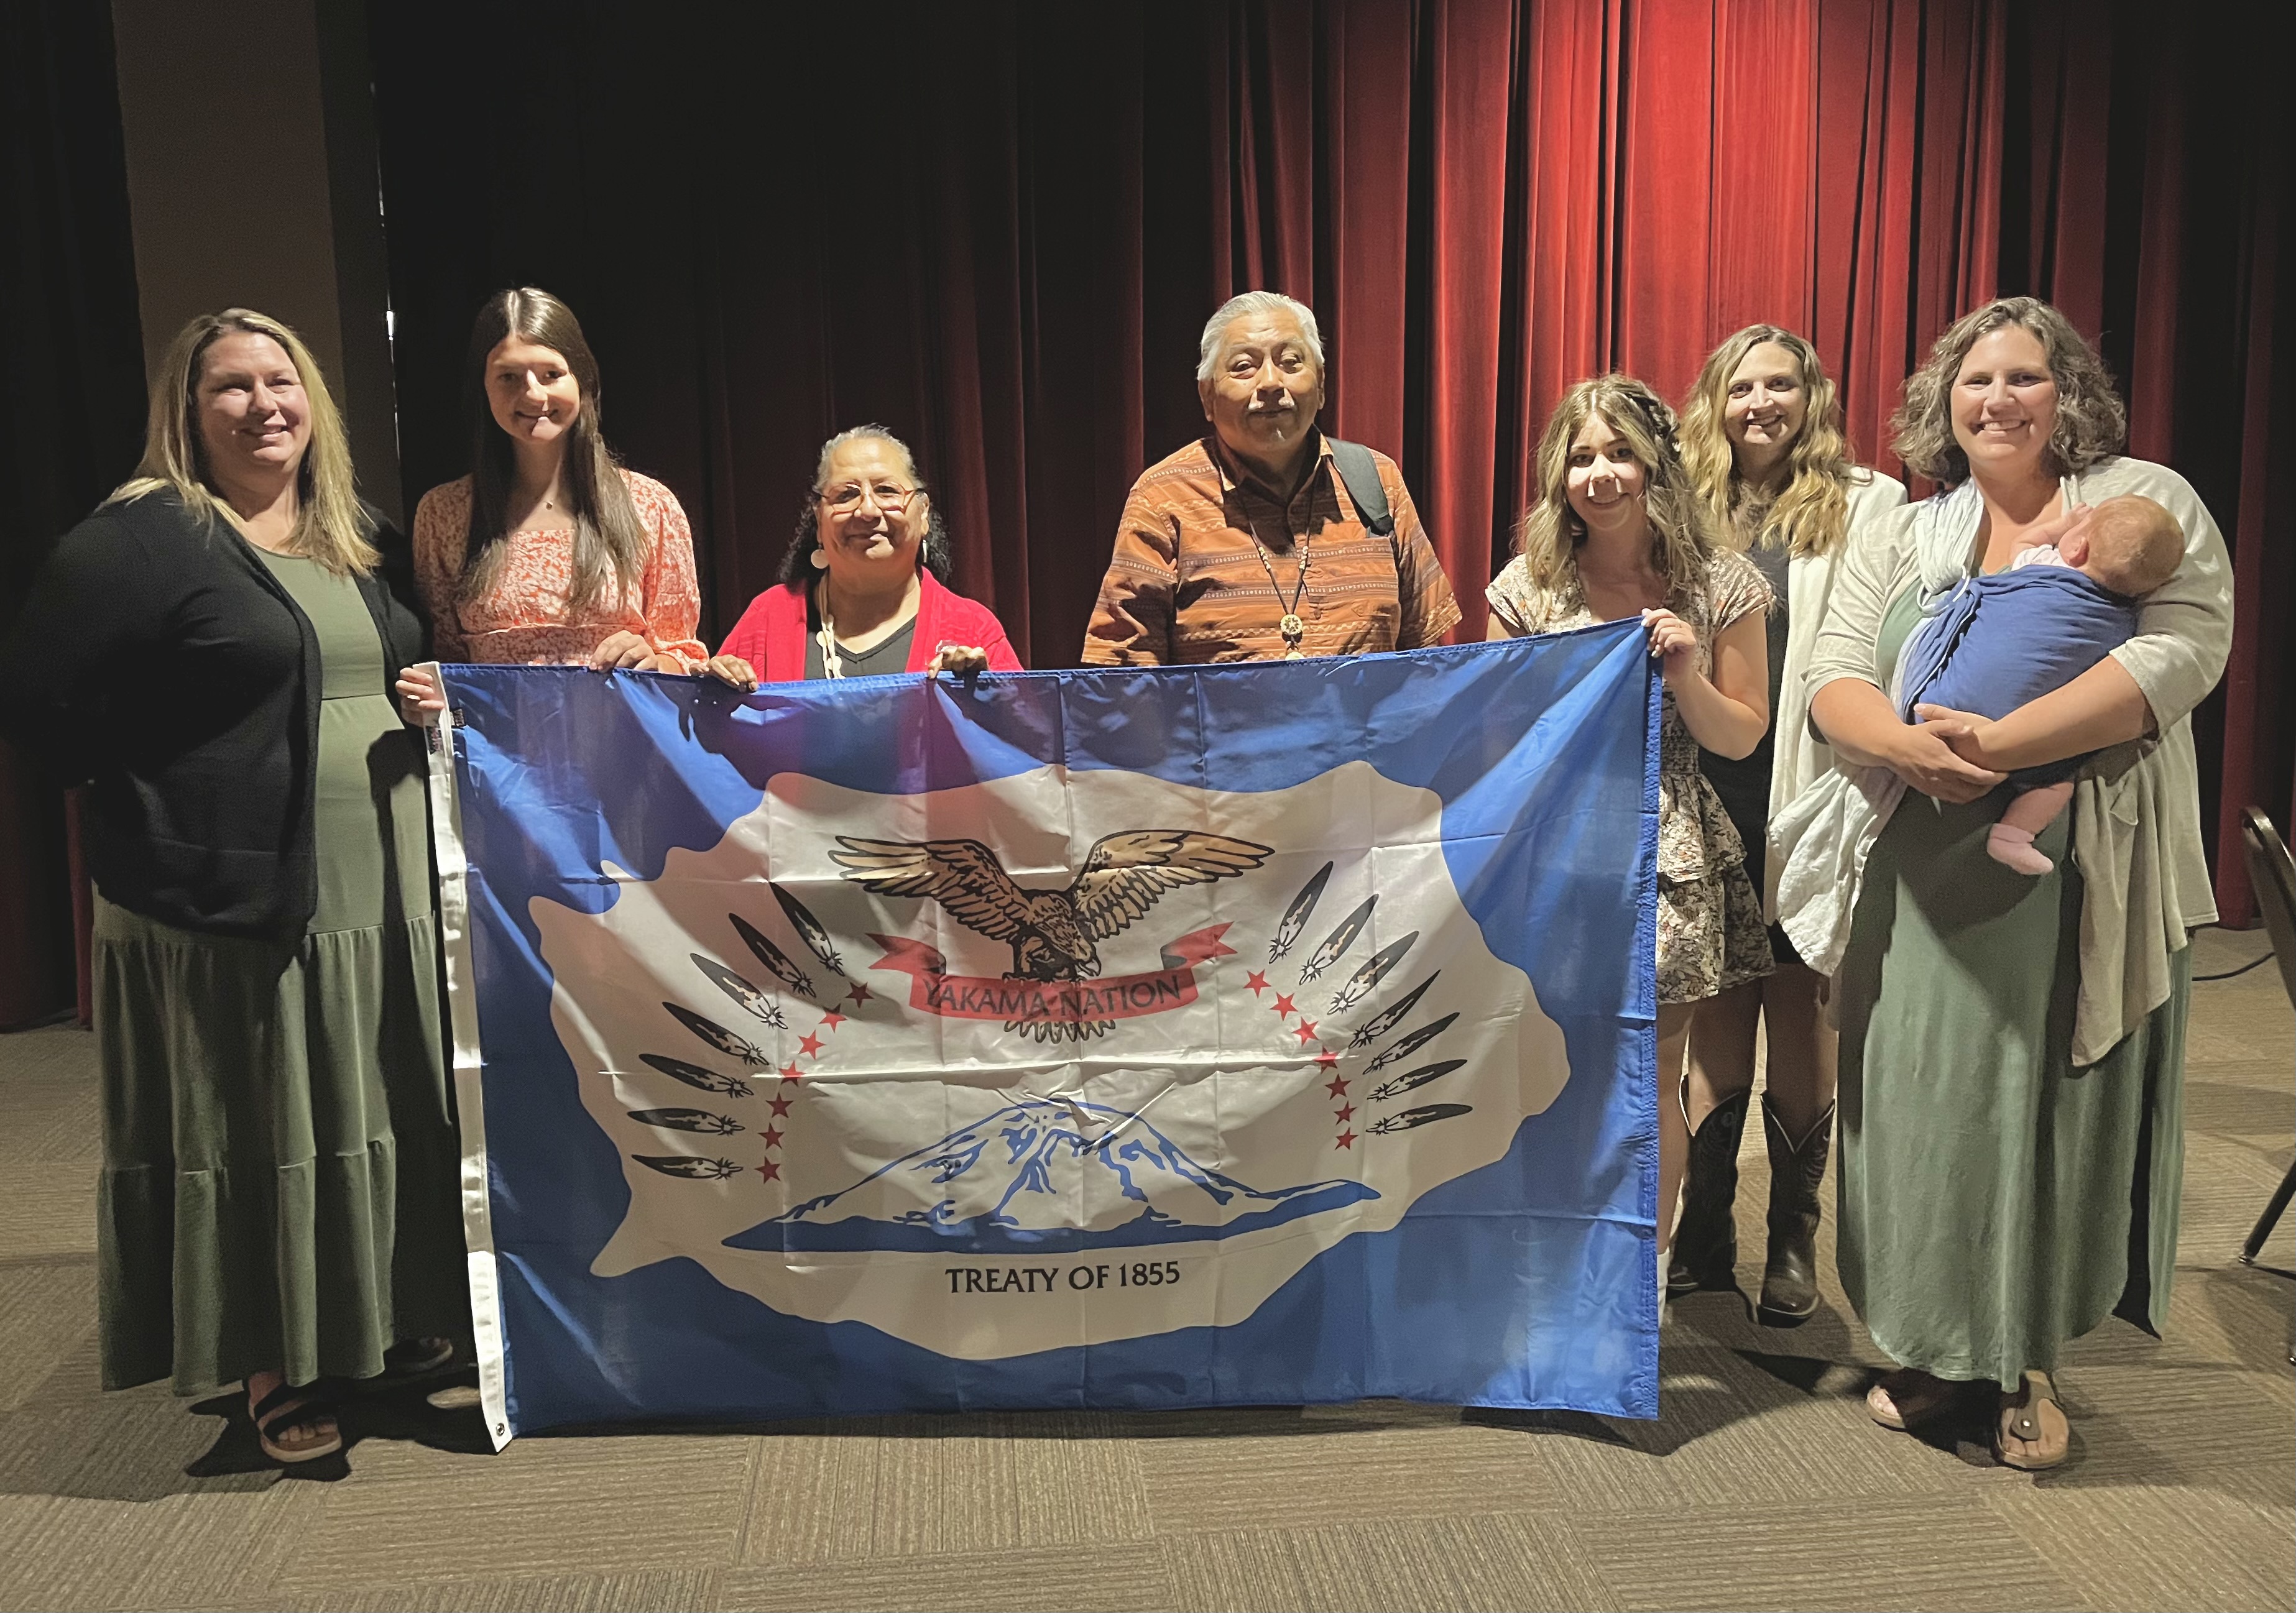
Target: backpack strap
[[1360, 471]]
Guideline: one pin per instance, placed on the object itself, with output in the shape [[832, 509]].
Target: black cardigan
[[158, 658]]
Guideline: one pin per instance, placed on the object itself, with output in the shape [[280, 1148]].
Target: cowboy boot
[[1706, 1238], [1797, 1171]]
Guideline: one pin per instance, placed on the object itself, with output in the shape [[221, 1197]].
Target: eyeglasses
[[848, 498]]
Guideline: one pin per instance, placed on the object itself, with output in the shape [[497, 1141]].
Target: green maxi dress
[[1994, 1200], [280, 1176]]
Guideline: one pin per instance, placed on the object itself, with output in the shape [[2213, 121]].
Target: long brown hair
[[608, 535], [330, 526], [1812, 512], [1550, 532]]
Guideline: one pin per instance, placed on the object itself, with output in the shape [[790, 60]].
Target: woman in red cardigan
[[861, 590]]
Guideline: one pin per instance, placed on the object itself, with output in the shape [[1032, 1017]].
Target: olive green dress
[[1995, 1200], [280, 1176]]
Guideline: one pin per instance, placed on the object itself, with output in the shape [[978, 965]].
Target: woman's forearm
[[1857, 720], [2102, 706], [1727, 710], [1725, 727]]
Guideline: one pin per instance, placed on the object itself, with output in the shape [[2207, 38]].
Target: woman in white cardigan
[[2012, 1047], [1762, 437]]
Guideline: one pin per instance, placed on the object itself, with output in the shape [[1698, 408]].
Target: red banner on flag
[[933, 991]]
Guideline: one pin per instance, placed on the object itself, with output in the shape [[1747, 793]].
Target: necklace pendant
[[1291, 627], [1293, 654]]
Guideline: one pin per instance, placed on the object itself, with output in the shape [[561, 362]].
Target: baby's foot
[[2013, 847]]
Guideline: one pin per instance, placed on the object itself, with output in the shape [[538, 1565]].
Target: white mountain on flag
[[1037, 1176]]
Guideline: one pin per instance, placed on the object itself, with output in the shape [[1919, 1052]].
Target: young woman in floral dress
[[1617, 531]]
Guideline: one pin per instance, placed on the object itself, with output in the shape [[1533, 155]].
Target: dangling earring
[[820, 558]]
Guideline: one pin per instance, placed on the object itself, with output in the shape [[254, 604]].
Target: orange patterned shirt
[[523, 619], [1186, 584]]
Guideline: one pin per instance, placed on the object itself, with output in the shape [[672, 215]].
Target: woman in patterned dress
[[550, 552], [1618, 531]]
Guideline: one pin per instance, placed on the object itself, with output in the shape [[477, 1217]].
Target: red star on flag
[[780, 1105], [1346, 1141], [1328, 1059], [811, 1044], [1306, 1031], [832, 1018], [1347, 1112], [770, 1171], [789, 1071], [1258, 982], [1283, 1006], [1337, 1086], [859, 993], [772, 1136]]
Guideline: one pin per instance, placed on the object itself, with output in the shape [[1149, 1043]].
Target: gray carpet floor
[[1764, 1486]]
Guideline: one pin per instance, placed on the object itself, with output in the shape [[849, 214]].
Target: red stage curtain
[[997, 229], [1484, 201]]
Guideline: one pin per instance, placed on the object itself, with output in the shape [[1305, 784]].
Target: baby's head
[[2130, 544]]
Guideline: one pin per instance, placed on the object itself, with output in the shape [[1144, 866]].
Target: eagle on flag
[[1052, 932]]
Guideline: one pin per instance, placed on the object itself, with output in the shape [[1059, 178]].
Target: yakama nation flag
[[1225, 1036]]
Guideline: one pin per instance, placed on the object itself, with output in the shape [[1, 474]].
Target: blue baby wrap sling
[[1993, 642]]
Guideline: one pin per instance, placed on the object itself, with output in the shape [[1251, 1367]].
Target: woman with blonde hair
[[1618, 531], [1763, 442], [2012, 1045], [278, 1202]]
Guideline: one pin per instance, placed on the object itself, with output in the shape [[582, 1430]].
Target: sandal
[[2020, 1419], [288, 1409], [1909, 1397]]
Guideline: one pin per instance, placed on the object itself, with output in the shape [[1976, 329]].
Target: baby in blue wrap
[[1998, 641]]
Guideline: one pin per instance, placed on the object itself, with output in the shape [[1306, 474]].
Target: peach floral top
[[522, 619]]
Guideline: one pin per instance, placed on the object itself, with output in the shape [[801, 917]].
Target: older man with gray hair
[[1266, 539]]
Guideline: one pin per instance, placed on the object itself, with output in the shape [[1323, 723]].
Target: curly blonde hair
[[1550, 531], [330, 526], [2091, 423], [1812, 512]]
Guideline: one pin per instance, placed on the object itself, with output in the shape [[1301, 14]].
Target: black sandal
[[294, 1405]]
